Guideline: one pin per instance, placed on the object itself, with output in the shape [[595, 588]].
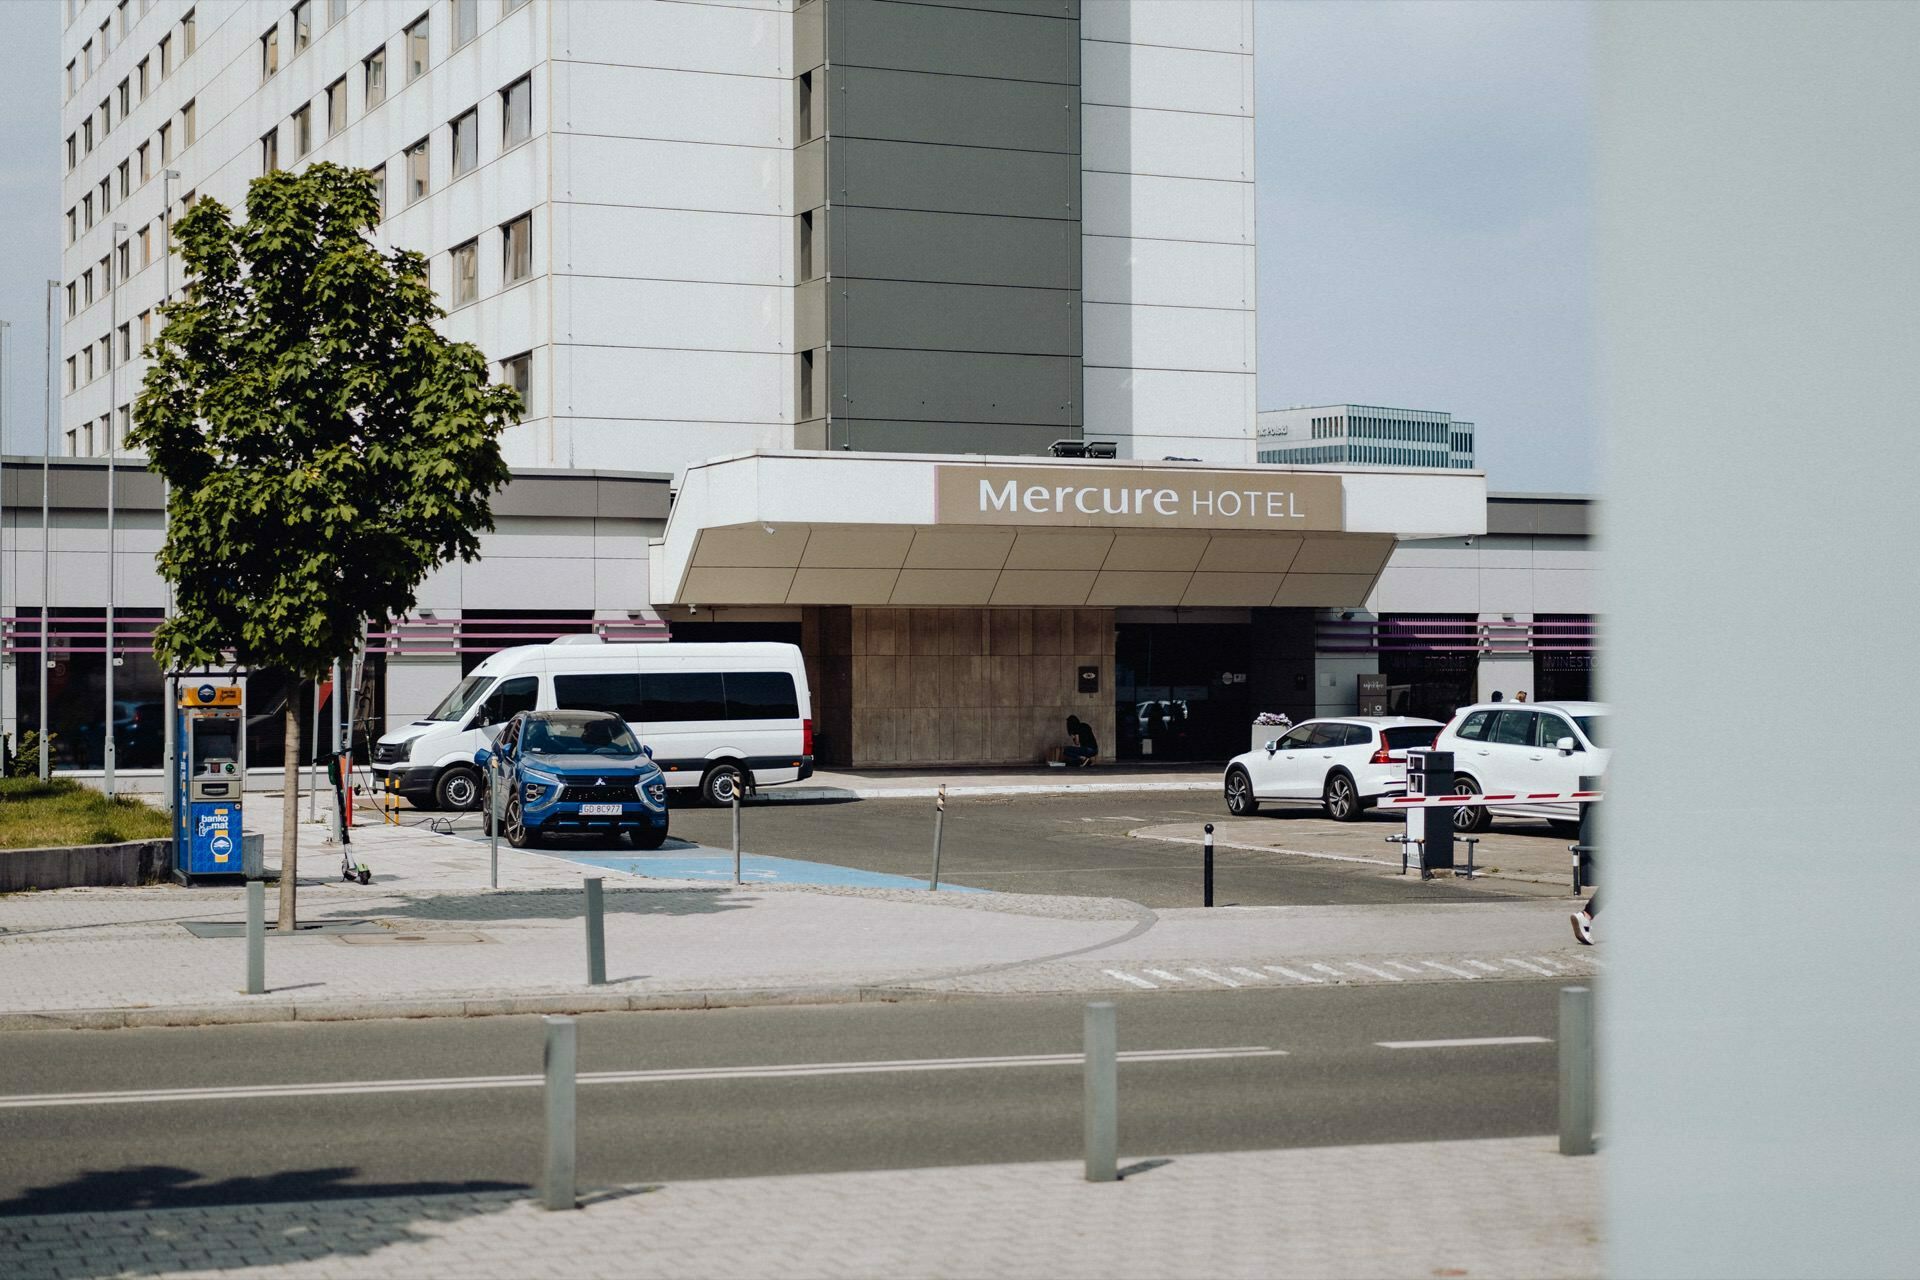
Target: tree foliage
[[327, 447]]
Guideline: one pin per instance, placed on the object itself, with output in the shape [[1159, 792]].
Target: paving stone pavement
[[1489, 1208]]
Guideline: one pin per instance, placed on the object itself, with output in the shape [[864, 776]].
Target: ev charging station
[[210, 744]]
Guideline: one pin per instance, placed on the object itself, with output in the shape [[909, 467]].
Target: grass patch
[[36, 814]]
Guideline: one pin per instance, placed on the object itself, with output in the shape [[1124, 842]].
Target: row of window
[[97, 359], [92, 437], [516, 261], [122, 182], [101, 120], [1305, 457], [93, 54], [119, 264], [415, 40]]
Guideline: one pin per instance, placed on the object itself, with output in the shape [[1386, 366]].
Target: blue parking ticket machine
[[210, 763]]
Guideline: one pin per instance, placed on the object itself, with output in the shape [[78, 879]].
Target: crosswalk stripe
[[1164, 976], [1551, 963], [1298, 977], [1409, 968], [1255, 974], [1447, 968], [1475, 1043], [1208, 973], [1482, 964], [1378, 973], [1127, 977], [1326, 968], [1531, 968]]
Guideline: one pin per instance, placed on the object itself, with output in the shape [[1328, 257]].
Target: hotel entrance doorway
[[1180, 690]]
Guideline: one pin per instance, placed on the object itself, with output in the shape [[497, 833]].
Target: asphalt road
[[1334, 1085], [1072, 843]]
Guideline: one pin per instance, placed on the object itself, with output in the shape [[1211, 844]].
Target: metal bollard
[[493, 820], [939, 816], [256, 938], [1206, 870], [1576, 1071], [562, 1054], [596, 933], [1102, 1098], [736, 831]]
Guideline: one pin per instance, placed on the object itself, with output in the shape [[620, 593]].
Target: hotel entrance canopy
[[959, 530]]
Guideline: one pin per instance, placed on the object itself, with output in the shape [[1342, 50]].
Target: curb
[[792, 793], [215, 1015]]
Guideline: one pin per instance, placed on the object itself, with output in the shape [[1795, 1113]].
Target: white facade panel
[[1168, 403], [1222, 25], [1158, 78], [1405, 588], [668, 446], [678, 175], [678, 106], [1177, 144], [733, 39], [1139, 205], [673, 244], [677, 386], [1194, 338], [676, 314], [1166, 273]]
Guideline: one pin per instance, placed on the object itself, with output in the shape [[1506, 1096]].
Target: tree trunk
[[290, 812]]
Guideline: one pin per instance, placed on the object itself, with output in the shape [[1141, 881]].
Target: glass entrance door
[[1180, 691]]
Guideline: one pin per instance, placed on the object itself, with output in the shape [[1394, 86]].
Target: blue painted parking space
[[702, 862]]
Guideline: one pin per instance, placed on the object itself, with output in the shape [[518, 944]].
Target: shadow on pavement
[[243, 1221], [561, 904]]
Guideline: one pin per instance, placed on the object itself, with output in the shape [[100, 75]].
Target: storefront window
[[1174, 699]]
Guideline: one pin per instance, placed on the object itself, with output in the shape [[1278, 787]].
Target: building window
[[466, 142], [86, 136], [73, 82], [270, 151], [419, 170], [302, 25], [303, 129], [336, 106], [123, 19], [809, 388], [140, 74], [806, 246], [73, 374], [516, 246], [376, 67], [86, 210], [73, 294], [269, 52], [86, 61], [73, 224], [804, 128], [380, 190], [106, 196], [146, 163], [126, 178], [73, 151], [517, 372], [466, 272], [146, 246], [466, 21], [336, 10], [126, 259], [416, 37], [516, 112], [126, 341], [146, 328], [166, 56], [189, 123], [166, 143], [106, 118], [126, 96], [88, 353], [189, 35], [508, 6]]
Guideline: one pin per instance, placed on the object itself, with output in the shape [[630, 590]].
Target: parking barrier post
[[1101, 1103], [735, 790], [1206, 869], [256, 937], [1576, 1071], [493, 821], [596, 933], [939, 816], [562, 1052]]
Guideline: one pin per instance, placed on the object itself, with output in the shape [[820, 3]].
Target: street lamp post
[[6, 332], [167, 178], [46, 509], [113, 452]]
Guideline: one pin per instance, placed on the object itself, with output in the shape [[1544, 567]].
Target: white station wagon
[[1345, 764]]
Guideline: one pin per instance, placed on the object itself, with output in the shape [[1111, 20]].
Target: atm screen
[[216, 740]]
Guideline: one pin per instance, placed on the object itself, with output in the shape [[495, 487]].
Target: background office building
[[1361, 435], [787, 287]]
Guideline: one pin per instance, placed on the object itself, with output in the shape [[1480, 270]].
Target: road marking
[[1255, 974], [780, 1071], [1409, 968], [1127, 977], [1555, 965], [1460, 1044], [1164, 975], [1327, 968], [1482, 964], [1447, 968], [1378, 973], [1297, 977], [1208, 973], [1531, 968]]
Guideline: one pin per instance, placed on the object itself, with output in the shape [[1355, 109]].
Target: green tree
[[327, 448]]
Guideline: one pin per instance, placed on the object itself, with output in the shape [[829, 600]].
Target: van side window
[[612, 691], [508, 700], [682, 695], [761, 695]]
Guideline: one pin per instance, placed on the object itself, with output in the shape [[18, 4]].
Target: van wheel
[[1469, 817], [458, 789], [1240, 801], [648, 837], [718, 786], [1342, 801]]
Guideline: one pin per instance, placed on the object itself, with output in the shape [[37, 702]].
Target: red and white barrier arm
[[1509, 797]]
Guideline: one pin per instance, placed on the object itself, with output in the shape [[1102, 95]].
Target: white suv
[[1343, 764], [1522, 749]]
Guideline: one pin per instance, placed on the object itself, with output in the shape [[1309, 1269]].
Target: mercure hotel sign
[[1132, 498]]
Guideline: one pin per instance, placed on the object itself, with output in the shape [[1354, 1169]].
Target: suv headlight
[[657, 792], [534, 786]]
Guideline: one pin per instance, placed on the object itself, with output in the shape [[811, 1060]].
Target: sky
[[1424, 217]]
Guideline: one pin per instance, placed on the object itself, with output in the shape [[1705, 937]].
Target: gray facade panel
[[955, 317], [950, 40], [1570, 517], [955, 386], [944, 437], [955, 248], [905, 106], [1031, 8], [911, 175]]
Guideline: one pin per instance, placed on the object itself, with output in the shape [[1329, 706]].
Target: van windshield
[[564, 735], [456, 704]]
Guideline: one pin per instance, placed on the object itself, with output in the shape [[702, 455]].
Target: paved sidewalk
[[886, 784], [1504, 854], [1493, 1208]]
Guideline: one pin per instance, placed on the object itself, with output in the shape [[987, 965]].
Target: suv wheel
[[458, 789], [1469, 817], [1240, 798], [519, 834], [1342, 800], [719, 785]]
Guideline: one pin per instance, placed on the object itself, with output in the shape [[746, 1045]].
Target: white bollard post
[[939, 818], [736, 831], [1576, 1071], [1102, 1096], [493, 820], [557, 1185]]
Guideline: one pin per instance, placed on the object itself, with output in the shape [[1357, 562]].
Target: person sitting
[[1081, 746]]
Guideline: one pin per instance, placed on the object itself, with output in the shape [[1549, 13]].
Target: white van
[[712, 714]]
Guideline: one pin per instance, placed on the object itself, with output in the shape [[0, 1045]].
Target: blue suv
[[573, 773]]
